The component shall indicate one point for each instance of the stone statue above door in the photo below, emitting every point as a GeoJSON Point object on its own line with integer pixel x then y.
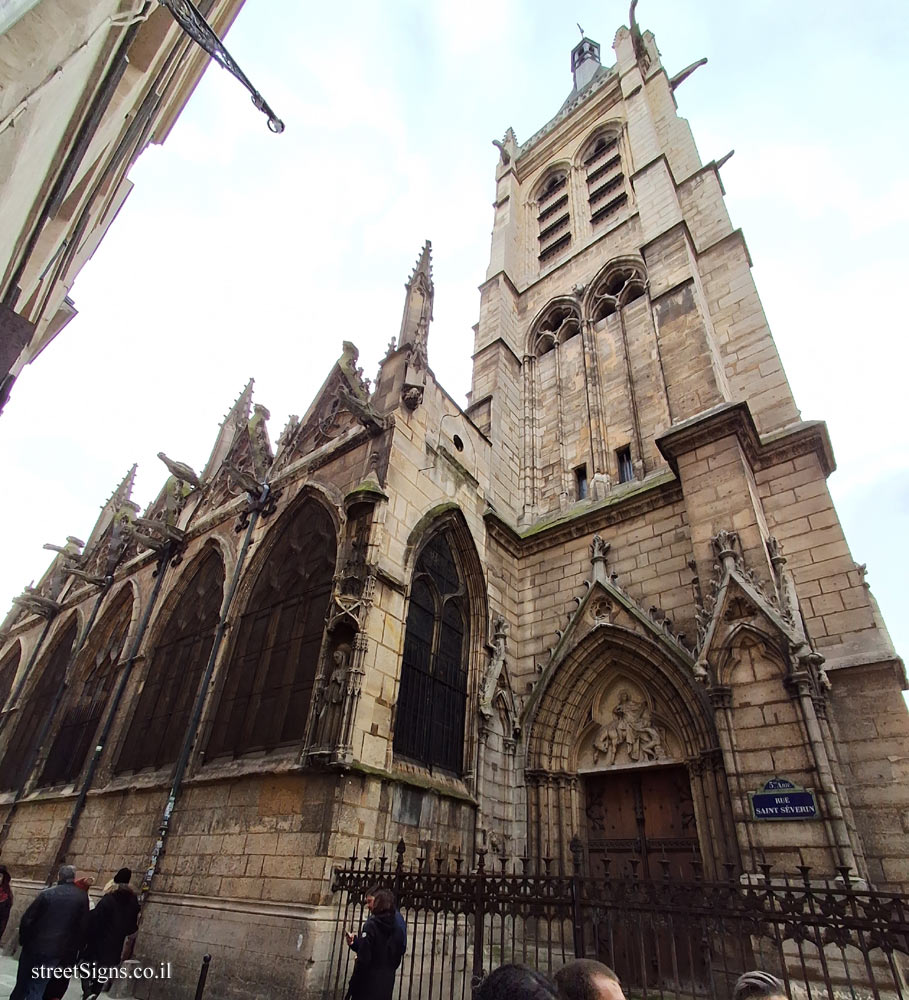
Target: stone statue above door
{"type": "Point", "coordinates": [626, 728]}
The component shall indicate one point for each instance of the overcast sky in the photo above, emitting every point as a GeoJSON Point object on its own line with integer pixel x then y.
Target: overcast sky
{"type": "Point", "coordinates": [241, 253]}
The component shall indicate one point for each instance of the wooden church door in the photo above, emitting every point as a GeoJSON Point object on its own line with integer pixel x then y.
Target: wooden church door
{"type": "Point", "coordinates": [643, 813]}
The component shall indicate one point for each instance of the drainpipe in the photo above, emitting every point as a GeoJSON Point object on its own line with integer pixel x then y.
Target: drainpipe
{"type": "Point", "coordinates": [70, 829]}
{"type": "Point", "coordinates": [49, 718]}
{"type": "Point", "coordinates": [191, 734]}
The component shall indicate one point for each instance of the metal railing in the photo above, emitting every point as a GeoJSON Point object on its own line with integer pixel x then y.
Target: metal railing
{"type": "Point", "coordinates": [830, 938]}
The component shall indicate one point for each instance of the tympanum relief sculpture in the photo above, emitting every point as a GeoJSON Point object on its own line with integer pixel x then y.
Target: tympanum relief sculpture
{"type": "Point", "coordinates": [626, 728]}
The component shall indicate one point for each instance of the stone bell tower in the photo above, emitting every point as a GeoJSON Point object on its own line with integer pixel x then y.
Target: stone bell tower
{"type": "Point", "coordinates": [626, 376]}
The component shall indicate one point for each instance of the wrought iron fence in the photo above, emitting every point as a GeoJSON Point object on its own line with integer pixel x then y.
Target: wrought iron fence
{"type": "Point", "coordinates": [825, 938]}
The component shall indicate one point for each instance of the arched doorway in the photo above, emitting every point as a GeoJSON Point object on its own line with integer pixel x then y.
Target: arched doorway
{"type": "Point", "coordinates": [622, 751]}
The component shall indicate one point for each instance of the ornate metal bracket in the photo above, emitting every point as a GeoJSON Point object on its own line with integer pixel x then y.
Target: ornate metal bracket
{"type": "Point", "coordinates": [187, 15]}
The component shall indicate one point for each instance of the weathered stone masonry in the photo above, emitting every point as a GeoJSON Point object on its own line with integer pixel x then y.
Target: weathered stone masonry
{"type": "Point", "coordinates": [615, 585]}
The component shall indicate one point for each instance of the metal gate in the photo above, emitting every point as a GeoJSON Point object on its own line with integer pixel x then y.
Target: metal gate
{"type": "Point", "coordinates": [827, 938]}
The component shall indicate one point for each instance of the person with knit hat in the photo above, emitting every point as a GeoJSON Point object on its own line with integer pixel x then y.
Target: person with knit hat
{"type": "Point", "coordinates": [111, 922]}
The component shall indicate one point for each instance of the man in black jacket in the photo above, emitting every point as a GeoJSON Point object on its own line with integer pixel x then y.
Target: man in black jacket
{"type": "Point", "coordinates": [51, 932]}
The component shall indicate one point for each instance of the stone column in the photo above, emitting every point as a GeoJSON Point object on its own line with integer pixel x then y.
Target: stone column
{"type": "Point", "coordinates": [800, 686]}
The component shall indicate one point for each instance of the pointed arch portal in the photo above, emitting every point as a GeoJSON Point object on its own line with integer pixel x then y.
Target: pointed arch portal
{"type": "Point", "coordinates": [622, 751]}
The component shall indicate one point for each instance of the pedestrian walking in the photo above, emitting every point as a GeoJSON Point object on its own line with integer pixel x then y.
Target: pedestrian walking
{"type": "Point", "coordinates": [51, 932]}
{"type": "Point", "coordinates": [56, 988]}
{"type": "Point", "coordinates": [111, 922]}
{"type": "Point", "coordinates": [379, 949]}
{"type": "Point", "coordinates": [6, 898]}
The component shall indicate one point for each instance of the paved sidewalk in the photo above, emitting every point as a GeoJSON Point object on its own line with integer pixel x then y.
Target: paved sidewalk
{"type": "Point", "coordinates": [8, 968]}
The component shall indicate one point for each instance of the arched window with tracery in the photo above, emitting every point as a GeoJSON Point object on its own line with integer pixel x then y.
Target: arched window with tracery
{"type": "Point", "coordinates": [558, 323]}
{"type": "Point", "coordinates": [429, 723]}
{"type": "Point", "coordinates": [94, 677]}
{"type": "Point", "coordinates": [553, 214]}
{"type": "Point", "coordinates": [620, 285]}
{"type": "Point", "coordinates": [268, 683]}
{"type": "Point", "coordinates": [175, 670]}
{"type": "Point", "coordinates": [607, 188]}
{"type": "Point", "coordinates": [8, 667]}
{"type": "Point", "coordinates": [36, 706]}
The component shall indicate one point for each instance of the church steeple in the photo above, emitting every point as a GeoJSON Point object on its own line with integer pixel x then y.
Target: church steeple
{"type": "Point", "coordinates": [418, 307]}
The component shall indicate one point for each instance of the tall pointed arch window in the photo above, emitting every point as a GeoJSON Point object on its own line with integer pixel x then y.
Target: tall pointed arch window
{"type": "Point", "coordinates": [94, 678]}
{"type": "Point", "coordinates": [269, 679]}
{"type": "Point", "coordinates": [8, 667]}
{"type": "Point", "coordinates": [175, 670]}
{"type": "Point", "coordinates": [553, 215]}
{"type": "Point", "coordinates": [607, 189]}
{"type": "Point", "coordinates": [37, 705]}
{"type": "Point", "coordinates": [429, 724]}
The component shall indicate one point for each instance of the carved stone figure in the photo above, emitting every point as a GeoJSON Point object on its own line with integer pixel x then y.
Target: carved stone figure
{"type": "Point", "coordinates": [181, 470]}
{"type": "Point", "coordinates": [632, 729]}
{"type": "Point", "coordinates": [331, 698]}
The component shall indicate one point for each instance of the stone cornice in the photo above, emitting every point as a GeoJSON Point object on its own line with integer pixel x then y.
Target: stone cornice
{"type": "Point", "coordinates": [735, 419]}
{"type": "Point", "coordinates": [661, 490]}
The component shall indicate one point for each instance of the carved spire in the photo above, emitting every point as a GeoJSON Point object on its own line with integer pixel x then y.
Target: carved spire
{"type": "Point", "coordinates": [123, 493]}
{"type": "Point", "coordinates": [418, 309]}
{"type": "Point", "coordinates": [236, 418]}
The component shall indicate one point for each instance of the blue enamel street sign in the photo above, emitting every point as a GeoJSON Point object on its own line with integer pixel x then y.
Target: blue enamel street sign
{"type": "Point", "coordinates": [781, 799]}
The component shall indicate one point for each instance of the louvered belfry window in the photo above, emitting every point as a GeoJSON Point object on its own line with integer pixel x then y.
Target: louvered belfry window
{"type": "Point", "coordinates": [269, 679]}
{"type": "Point", "coordinates": [175, 669]}
{"type": "Point", "coordinates": [429, 724]}
{"type": "Point", "coordinates": [95, 673]}
{"type": "Point", "coordinates": [36, 705]}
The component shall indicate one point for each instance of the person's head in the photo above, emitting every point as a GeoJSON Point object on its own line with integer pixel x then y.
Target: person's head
{"type": "Point", "coordinates": [516, 982]}
{"type": "Point", "coordinates": [587, 979]}
{"type": "Point", "coordinates": [66, 874]}
{"type": "Point", "coordinates": [85, 882]}
{"type": "Point", "coordinates": [758, 985]}
{"type": "Point", "coordinates": [123, 876]}
{"type": "Point", "coordinates": [383, 901]}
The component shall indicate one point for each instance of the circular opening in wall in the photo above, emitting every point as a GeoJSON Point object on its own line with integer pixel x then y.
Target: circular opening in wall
{"type": "Point", "coordinates": [458, 443]}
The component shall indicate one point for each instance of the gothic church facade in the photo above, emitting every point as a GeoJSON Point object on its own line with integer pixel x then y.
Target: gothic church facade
{"type": "Point", "coordinates": [609, 600]}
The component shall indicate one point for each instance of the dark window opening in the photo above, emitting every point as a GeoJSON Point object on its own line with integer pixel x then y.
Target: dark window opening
{"type": "Point", "coordinates": [38, 705]}
{"type": "Point", "coordinates": [580, 478]}
{"type": "Point", "coordinates": [458, 443]}
{"type": "Point", "coordinates": [555, 183]}
{"type": "Point", "coordinates": [175, 670]}
{"type": "Point", "coordinates": [429, 723]}
{"type": "Point", "coordinates": [269, 679]}
{"type": "Point", "coordinates": [8, 669]}
{"type": "Point", "coordinates": [601, 148]}
{"type": "Point", "coordinates": [626, 472]}
{"type": "Point", "coordinates": [92, 686]}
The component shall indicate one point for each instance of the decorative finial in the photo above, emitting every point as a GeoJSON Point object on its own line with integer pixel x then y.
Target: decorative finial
{"type": "Point", "coordinates": [580, 29]}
